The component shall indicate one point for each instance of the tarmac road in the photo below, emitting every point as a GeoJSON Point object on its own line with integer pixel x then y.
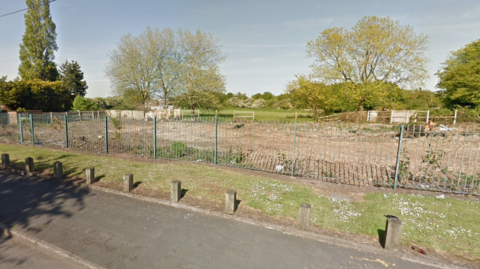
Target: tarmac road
{"type": "Point", "coordinates": [115, 231]}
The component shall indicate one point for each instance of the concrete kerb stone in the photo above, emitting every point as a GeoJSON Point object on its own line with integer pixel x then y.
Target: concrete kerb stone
{"type": "Point", "coordinates": [286, 230]}
{"type": "Point", "coordinates": [28, 238]}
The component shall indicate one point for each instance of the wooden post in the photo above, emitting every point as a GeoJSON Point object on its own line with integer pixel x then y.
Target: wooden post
{"type": "Point", "coordinates": [90, 175]}
{"type": "Point", "coordinates": [455, 117]}
{"type": "Point", "coordinates": [5, 161]}
{"type": "Point", "coordinates": [230, 198]}
{"type": "Point", "coordinates": [127, 182]}
{"type": "Point", "coordinates": [57, 170]}
{"type": "Point", "coordinates": [29, 166]}
{"type": "Point", "coordinates": [393, 233]}
{"type": "Point", "coordinates": [176, 191]}
{"type": "Point", "coordinates": [428, 116]}
{"type": "Point", "coordinates": [304, 217]}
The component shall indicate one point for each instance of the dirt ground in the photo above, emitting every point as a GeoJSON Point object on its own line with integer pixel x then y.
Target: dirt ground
{"type": "Point", "coordinates": [349, 153]}
{"type": "Point", "coordinates": [354, 193]}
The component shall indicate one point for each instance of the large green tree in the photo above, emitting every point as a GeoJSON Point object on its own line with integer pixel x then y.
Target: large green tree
{"type": "Point", "coordinates": [72, 79]}
{"type": "Point", "coordinates": [38, 43]}
{"type": "Point", "coordinates": [459, 78]}
{"type": "Point", "coordinates": [375, 49]}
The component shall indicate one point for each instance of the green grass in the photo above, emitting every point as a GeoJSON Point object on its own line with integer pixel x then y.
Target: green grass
{"type": "Point", "coordinates": [264, 114]}
{"type": "Point", "coordinates": [448, 227]}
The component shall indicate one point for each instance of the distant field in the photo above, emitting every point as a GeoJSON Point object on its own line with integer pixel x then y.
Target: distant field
{"type": "Point", "coordinates": [264, 114]}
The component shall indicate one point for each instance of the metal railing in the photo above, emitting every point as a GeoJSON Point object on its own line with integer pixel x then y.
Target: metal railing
{"type": "Point", "coordinates": [350, 153]}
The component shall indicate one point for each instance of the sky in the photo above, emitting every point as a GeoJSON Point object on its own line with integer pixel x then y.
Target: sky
{"type": "Point", "coordinates": [264, 40]}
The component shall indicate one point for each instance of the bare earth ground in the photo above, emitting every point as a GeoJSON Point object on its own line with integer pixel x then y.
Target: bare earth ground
{"type": "Point", "coordinates": [354, 193]}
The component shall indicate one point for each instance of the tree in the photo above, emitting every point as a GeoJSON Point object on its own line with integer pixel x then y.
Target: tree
{"type": "Point", "coordinates": [72, 79]}
{"type": "Point", "coordinates": [38, 43]}
{"type": "Point", "coordinates": [375, 49]}
{"type": "Point", "coordinates": [84, 104]}
{"type": "Point", "coordinates": [306, 93]}
{"type": "Point", "coordinates": [460, 77]}
{"type": "Point", "coordinates": [199, 77]}
{"type": "Point", "coordinates": [144, 66]}
{"type": "Point", "coordinates": [34, 95]}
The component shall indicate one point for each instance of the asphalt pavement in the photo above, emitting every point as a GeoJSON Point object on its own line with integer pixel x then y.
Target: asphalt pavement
{"type": "Point", "coordinates": [18, 254]}
{"type": "Point", "coordinates": [114, 231]}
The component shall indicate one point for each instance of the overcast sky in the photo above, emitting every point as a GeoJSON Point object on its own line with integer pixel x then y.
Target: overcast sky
{"type": "Point", "coordinates": [265, 40]}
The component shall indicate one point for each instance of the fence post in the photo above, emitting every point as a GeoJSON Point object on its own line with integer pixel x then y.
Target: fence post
{"type": "Point", "coordinates": [428, 116]}
{"type": "Point", "coordinates": [155, 137]}
{"type": "Point", "coordinates": [393, 233]}
{"type": "Point", "coordinates": [399, 153]}
{"type": "Point", "coordinates": [5, 161]}
{"type": "Point", "coordinates": [304, 217]}
{"type": "Point", "coordinates": [57, 169]}
{"type": "Point", "coordinates": [29, 165]}
{"type": "Point", "coordinates": [90, 175]}
{"type": "Point", "coordinates": [32, 133]}
{"type": "Point", "coordinates": [19, 115]}
{"type": "Point", "coordinates": [175, 191]}
{"type": "Point", "coordinates": [66, 129]}
{"type": "Point", "coordinates": [127, 182]}
{"type": "Point", "coordinates": [294, 140]}
{"type": "Point", "coordinates": [455, 117]}
{"type": "Point", "coordinates": [106, 134]}
{"type": "Point", "coordinates": [216, 130]}
{"type": "Point", "coordinates": [230, 199]}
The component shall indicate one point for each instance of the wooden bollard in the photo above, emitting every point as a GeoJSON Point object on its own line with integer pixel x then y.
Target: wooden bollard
{"type": "Point", "coordinates": [5, 161]}
{"type": "Point", "coordinates": [230, 198]}
{"type": "Point", "coordinates": [127, 182]}
{"type": "Point", "coordinates": [29, 167]}
{"type": "Point", "coordinates": [393, 233]}
{"type": "Point", "coordinates": [57, 169]}
{"type": "Point", "coordinates": [304, 217]}
{"type": "Point", "coordinates": [176, 191]}
{"type": "Point", "coordinates": [90, 175]}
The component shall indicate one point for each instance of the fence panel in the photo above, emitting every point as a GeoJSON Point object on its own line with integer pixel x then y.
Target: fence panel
{"type": "Point", "coordinates": [49, 130]}
{"type": "Point", "coordinates": [9, 130]}
{"type": "Point", "coordinates": [348, 153]}
{"type": "Point", "coordinates": [446, 161]}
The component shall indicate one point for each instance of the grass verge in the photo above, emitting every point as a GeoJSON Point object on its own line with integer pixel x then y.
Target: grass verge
{"type": "Point", "coordinates": [447, 227]}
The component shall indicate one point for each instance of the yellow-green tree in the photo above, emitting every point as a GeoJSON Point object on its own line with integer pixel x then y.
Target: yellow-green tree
{"type": "Point", "coordinates": [199, 76]}
{"type": "Point", "coordinates": [375, 50]}
{"type": "Point", "coordinates": [318, 97]}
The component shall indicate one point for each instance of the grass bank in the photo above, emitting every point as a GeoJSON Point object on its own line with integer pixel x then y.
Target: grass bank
{"type": "Point", "coordinates": [448, 227]}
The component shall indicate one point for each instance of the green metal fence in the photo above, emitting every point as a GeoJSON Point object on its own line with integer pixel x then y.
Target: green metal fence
{"type": "Point", "coordinates": [349, 153]}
